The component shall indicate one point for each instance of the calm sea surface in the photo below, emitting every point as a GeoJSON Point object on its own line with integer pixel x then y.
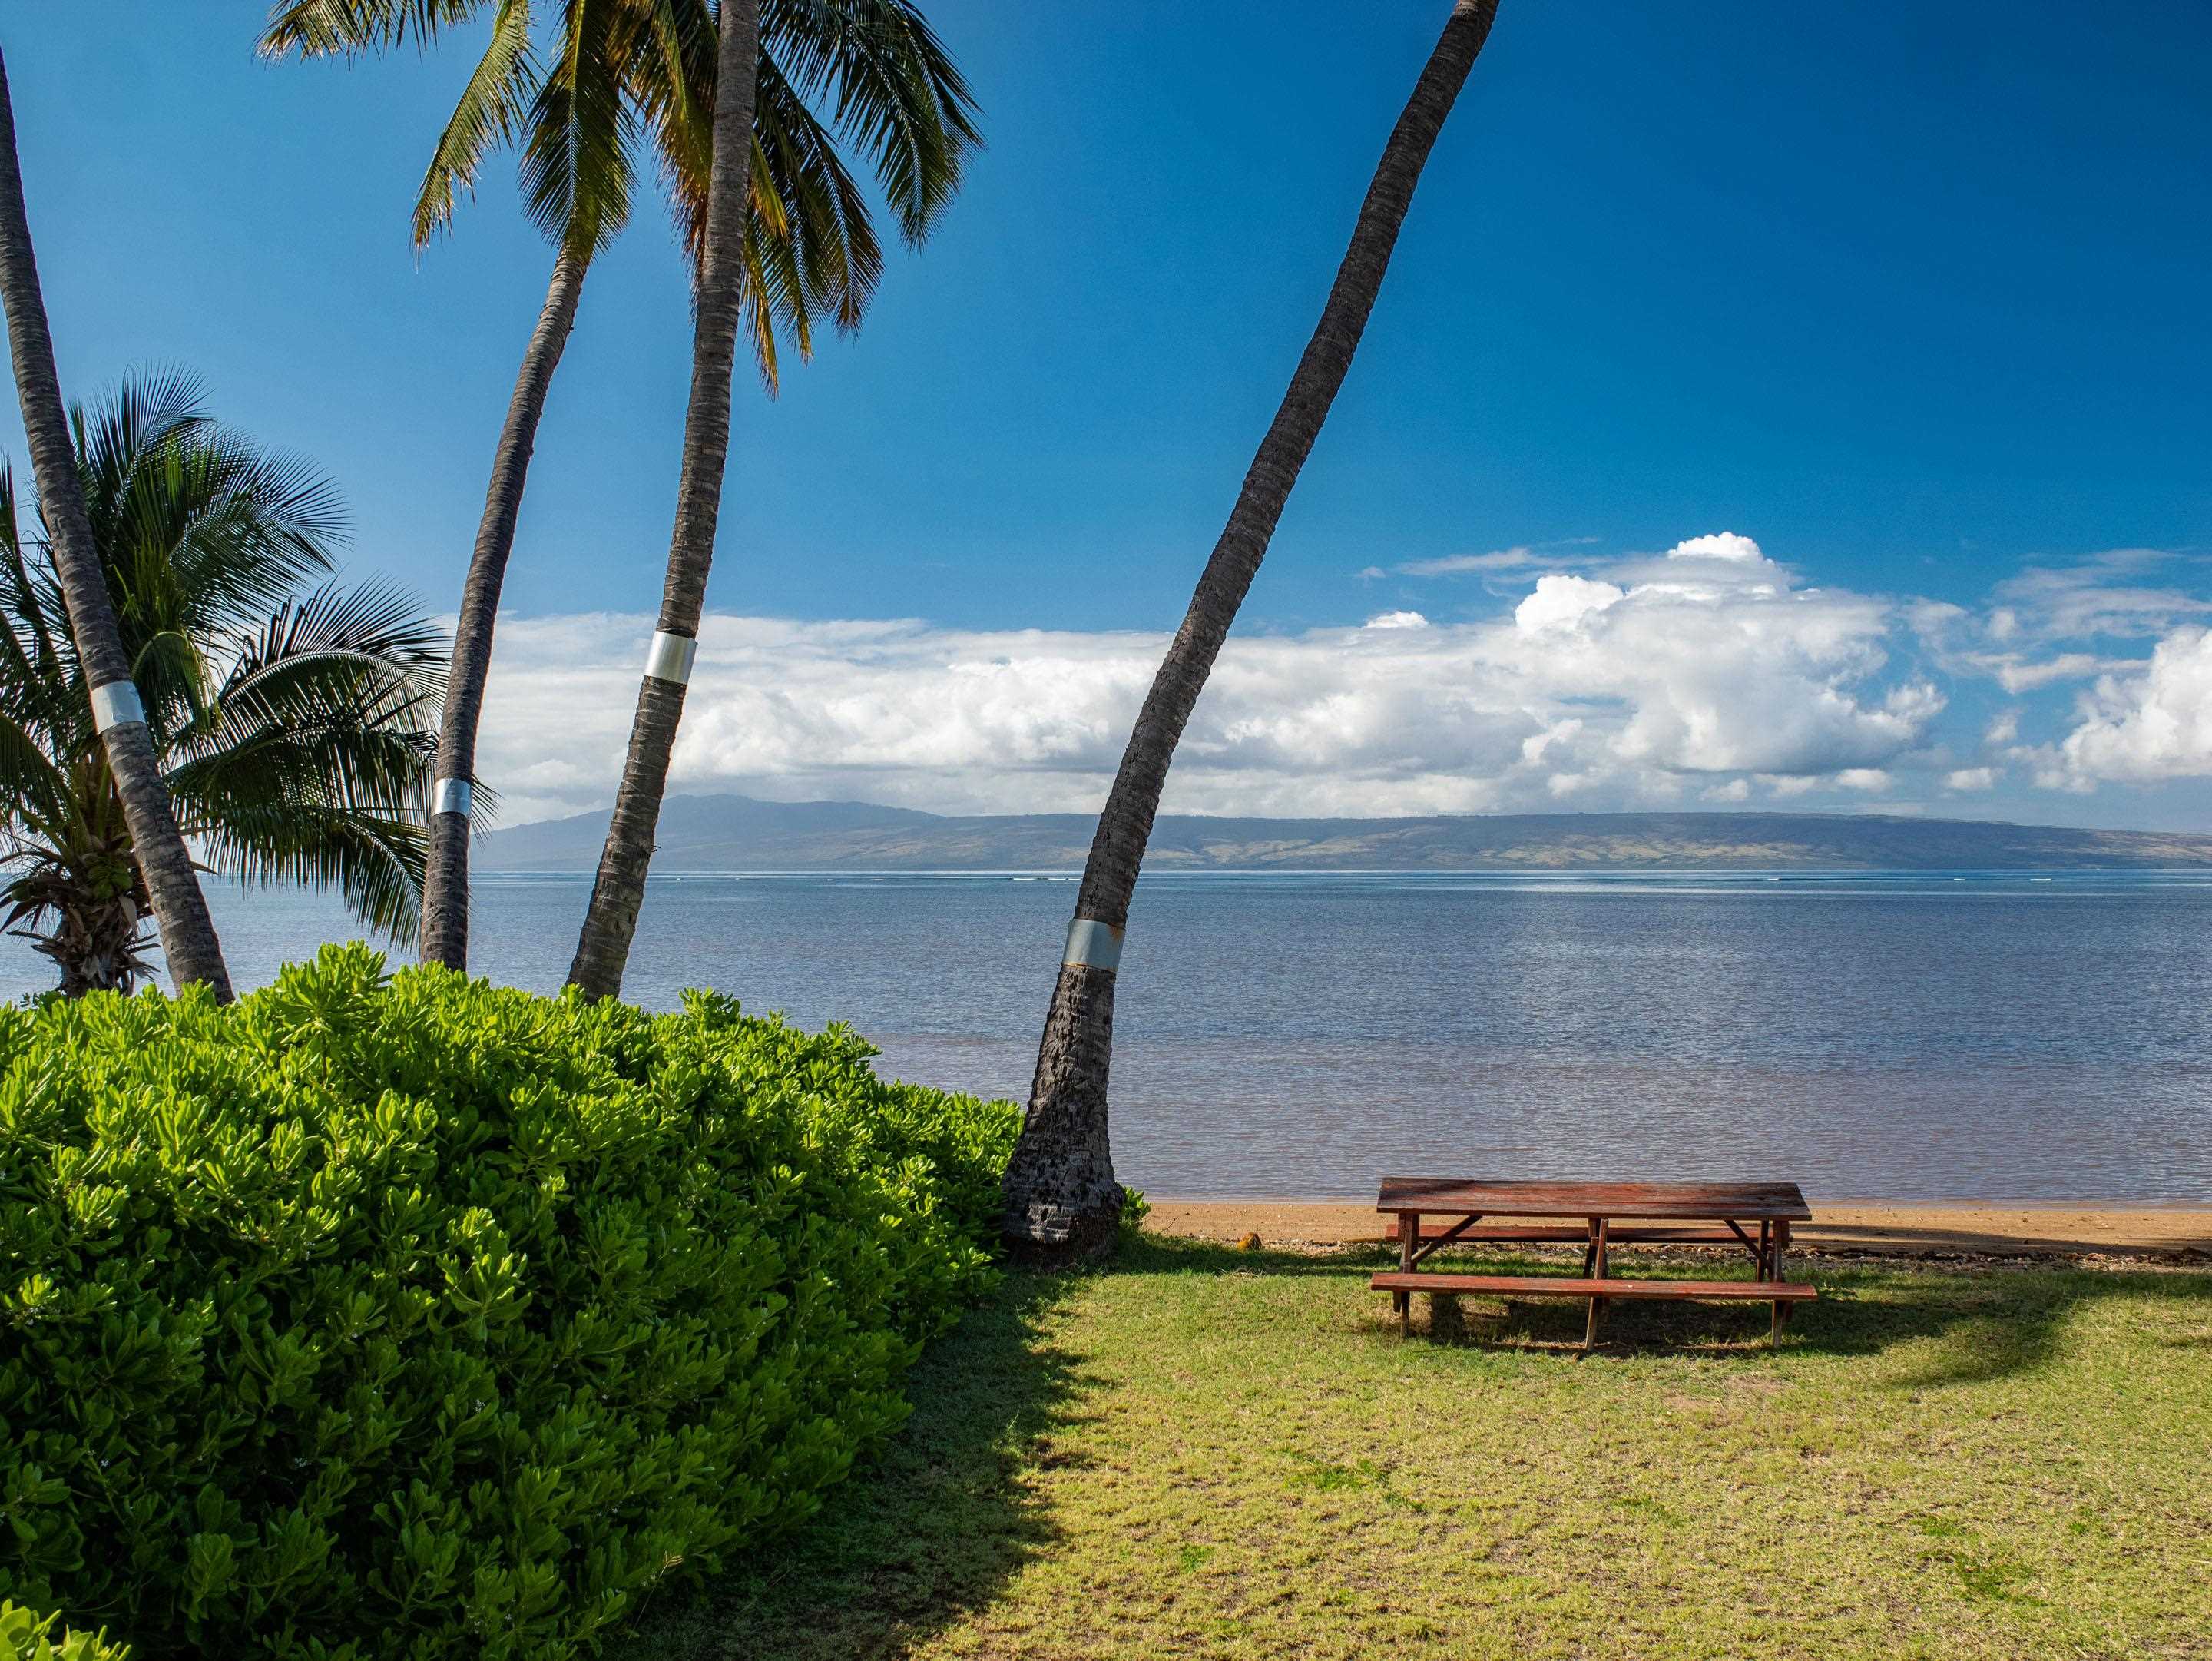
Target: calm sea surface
{"type": "Point", "coordinates": [1964, 1036]}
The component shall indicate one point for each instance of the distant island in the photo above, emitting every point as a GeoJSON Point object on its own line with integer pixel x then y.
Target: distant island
{"type": "Point", "coordinates": [739, 833]}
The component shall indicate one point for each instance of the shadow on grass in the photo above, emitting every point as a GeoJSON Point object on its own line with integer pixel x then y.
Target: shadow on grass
{"type": "Point", "coordinates": [931, 1528]}
{"type": "Point", "coordinates": [1995, 1321]}
{"type": "Point", "coordinates": [937, 1526]}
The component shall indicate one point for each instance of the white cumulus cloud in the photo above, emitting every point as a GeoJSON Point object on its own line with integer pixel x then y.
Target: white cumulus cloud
{"type": "Point", "coordinates": [2152, 724]}
{"type": "Point", "coordinates": [1561, 602]}
{"type": "Point", "coordinates": [1725, 544]}
{"type": "Point", "coordinates": [1611, 694]}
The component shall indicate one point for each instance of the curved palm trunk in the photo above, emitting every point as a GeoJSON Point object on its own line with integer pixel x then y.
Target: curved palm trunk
{"type": "Point", "coordinates": [180, 910]}
{"type": "Point", "coordinates": [1061, 1198]}
{"type": "Point", "coordinates": [445, 884]}
{"type": "Point", "coordinates": [603, 950]}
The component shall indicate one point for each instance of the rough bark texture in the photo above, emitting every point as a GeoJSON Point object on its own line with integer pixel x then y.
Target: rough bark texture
{"type": "Point", "coordinates": [1068, 1204]}
{"type": "Point", "coordinates": [603, 950]}
{"type": "Point", "coordinates": [445, 886]}
{"type": "Point", "coordinates": [1061, 1198]}
{"type": "Point", "coordinates": [96, 944]}
{"type": "Point", "coordinates": [188, 938]}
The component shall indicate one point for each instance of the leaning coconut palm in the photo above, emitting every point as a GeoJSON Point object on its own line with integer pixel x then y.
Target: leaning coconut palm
{"type": "Point", "coordinates": [621, 77]}
{"type": "Point", "coordinates": [87, 619]}
{"type": "Point", "coordinates": [857, 58]}
{"type": "Point", "coordinates": [1062, 1200]}
{"type": "Point", "coordinates": [289, 718]}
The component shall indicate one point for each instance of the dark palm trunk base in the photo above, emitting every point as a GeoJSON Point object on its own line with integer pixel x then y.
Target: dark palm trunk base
{"type": "Point", "coordinates": [188, 938]}
{"type": "Point", "coordinates": [1062, 1202]}
{"type": "Point", "coordinates": [445, 884]}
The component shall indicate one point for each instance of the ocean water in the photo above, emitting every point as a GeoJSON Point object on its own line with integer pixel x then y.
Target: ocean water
{"type": "Point", "coordinates": [1932, 1036]}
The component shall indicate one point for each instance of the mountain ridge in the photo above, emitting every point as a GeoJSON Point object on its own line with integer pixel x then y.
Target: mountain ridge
{"type": "Point", "coordinates": [740, 833]}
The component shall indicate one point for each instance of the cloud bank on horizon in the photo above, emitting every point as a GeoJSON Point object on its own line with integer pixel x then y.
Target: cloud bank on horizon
{"type": "Point", "coordinates": [1710, 675]}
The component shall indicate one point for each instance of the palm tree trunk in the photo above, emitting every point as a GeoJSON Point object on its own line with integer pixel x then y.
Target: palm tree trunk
{"type": "Point", "coordinates": [446, 883]}
{"type": "Point", "coordinates": [180, 910]}
{"type": "Point", "coordinates": [1061, 1198]}
{"type": "Point", "coordinates": [603, 950]}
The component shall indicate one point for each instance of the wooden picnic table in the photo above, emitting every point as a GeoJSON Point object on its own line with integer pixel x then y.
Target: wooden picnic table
{"type": "Point", "coordinates": [1651, 1213]}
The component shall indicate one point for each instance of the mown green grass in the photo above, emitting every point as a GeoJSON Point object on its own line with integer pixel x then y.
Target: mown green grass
{"type": "Point", "coordinates": [1205, 1452]}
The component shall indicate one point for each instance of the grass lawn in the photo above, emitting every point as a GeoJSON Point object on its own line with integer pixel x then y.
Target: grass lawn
{"type": "Point", "coordinates": [1206, 1453]}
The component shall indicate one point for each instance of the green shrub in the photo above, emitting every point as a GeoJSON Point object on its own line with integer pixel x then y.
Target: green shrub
{"type": "Point", "coordinates": [25, 1635]}
{"type": "Point", "coordinates": [408, 1316]}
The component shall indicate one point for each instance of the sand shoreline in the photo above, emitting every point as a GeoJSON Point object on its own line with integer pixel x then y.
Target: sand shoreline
{"type": "Point", "coordinates": [1858, 1225]}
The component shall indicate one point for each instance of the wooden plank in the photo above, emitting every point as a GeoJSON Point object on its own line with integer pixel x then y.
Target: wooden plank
{"type": "Point", "coordinates": [1512, 1233]}
{"type": "Point", "coordinates": [1432, 1243]}
{"type": "Point", "coordinates": [1551, 1285]}
{"type": "Point", "coordinates": [1459, 1195]}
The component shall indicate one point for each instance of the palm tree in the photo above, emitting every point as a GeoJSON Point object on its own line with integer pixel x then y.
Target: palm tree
{"type": "Point", "coordinates": [1061, 1197]}
{"type": "Point", "coordinates": [289, 718]}
{"type": "Point", "coordinates": [861, 54]}
{"type": "Point", "coordinates": [625, 74]}
{"type": "Point", "coordinates": [173, 891]}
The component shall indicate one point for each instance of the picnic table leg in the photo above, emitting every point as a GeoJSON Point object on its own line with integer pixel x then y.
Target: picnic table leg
{"type": "Point", "coordinates": [1409, 1235]}
{"type": "Point", "coordinates": [1765, 1249]}
{"type": "Point", "coordinates": [1600, 1228]}
{"type": "Point", "coordinates": [1781, 1310]}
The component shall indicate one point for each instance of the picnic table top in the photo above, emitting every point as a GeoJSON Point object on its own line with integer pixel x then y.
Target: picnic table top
{"type": "Point", "coordinates": [1481, 1196]}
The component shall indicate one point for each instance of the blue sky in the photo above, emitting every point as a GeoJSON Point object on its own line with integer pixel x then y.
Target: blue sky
{"type": "Point", "coordinates": [1912, 298]}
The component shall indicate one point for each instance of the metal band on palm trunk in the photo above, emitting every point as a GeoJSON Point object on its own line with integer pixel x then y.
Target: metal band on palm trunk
{"type": "Point", "coordinates": [1093, 944]}
{"type": "Point", "coordinates": [670, 657]}
{"type": "Point", "coordinates": [116, 704]}
{"type": "Point", "coordinates": [453, 797]}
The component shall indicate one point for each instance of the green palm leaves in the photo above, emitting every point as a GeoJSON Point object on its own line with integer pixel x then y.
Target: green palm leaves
{"type": "Point", "coordinates": [584, 90]}
{"type": "Point", "coordinates": [291, 716]}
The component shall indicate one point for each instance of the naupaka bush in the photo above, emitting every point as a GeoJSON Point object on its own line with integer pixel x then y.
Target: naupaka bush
{"type": "Point", "coordinates": [408, 1316]}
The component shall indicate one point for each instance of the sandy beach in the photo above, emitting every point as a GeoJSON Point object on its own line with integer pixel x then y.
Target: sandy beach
{"type": "Point", "coordinates": [1850, 1226]}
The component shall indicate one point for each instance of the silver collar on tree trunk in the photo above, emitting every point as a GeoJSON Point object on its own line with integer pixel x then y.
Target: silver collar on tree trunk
{"type": "Point", "coordinates": [116, 704]}
{"type": "Point", "coordinates": [1093, 944]}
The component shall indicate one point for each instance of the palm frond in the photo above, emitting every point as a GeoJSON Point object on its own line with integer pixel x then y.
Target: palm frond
{"type": "Point", "coordinates": [489, 113]}
{"type": "Point", "coordinates": [199, 526]}
{"type": "Point", "coordinates": [318, 28]}
{"type": "Point", "coordinates": [333, 765]}
{"type": "Point", "coordinates": [374, 623]}
{"type": "Point", "coordinates": [376, 863]}
{"type": "Point", "coordinates": [175, 681]}
{"type": "Point", "coordinates": [33, 791]}
{"type": "Point", "coordinates": [31, 600]}
{"type": "Point", "coordinates": [115, 437]}
{"type": "Point", "coordinates": [832, 234]}
{"type": "Point", "coordinates": [575, 169]}
{"type": "Point", "coordinates": [240, 527]}
{"type": "Point", "coordinates": [896, 93]}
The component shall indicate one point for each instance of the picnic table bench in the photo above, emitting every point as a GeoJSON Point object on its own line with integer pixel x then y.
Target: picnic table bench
{"type": "Point", "coordinates": [1654, 1212]}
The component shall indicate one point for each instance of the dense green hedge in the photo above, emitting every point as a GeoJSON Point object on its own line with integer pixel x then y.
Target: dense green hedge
{"type": "Point", "coordinates": [408, 1316]}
